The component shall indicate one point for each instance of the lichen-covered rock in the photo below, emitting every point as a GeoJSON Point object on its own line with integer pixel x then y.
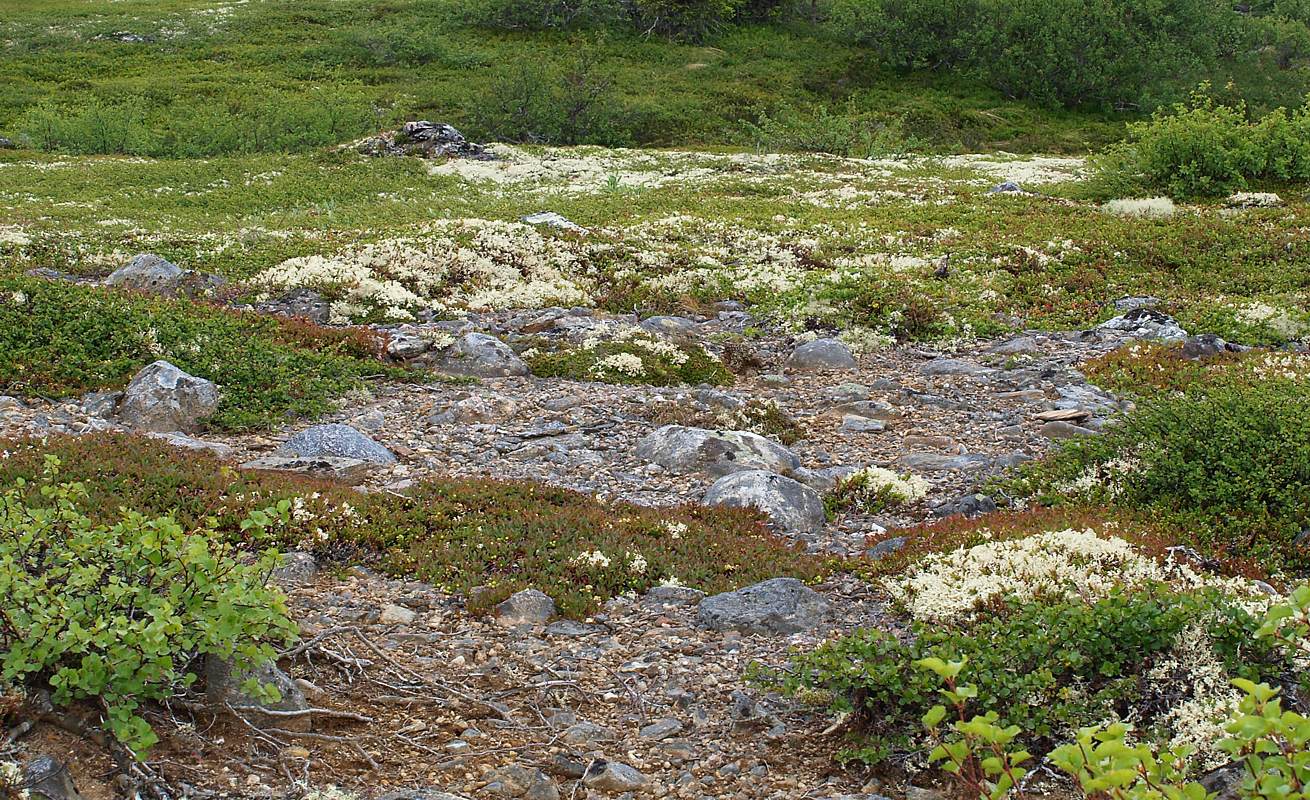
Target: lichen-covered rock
{"type": "Point", "coordinates": [483, 356]}
{"type": "Point", "coordinates": [792, 506]}
{"type": "Point", "coordinates": [681, 449]}
{"type": "Point", "coordinates": [164, 399]}
{"type": "Point", "coordinates": [148, 272]}
{"type": "Point", "coordinates": [775, 606]}
{"type": "Point", "coordinates": [528, 607]}
{"type": "Point", "coordinates": [223, 689]}
{"type": "Point", "coordinates": [335, 441]}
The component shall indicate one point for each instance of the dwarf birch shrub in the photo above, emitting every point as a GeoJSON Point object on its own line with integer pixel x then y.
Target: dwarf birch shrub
{"type": "Point", "coordinates": [121, 614]}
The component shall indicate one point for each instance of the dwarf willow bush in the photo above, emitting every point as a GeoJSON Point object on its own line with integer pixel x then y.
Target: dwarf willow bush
{"type": "Point", "coordinates": [121, 613]}
{"type": "Point", "coordinates": [1228, 464]}
{"type": "Point", "coordinates": [1204, 147]}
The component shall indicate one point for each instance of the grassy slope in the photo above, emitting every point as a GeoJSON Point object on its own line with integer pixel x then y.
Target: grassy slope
{"type": "Point", "coordinates": [337, 69]}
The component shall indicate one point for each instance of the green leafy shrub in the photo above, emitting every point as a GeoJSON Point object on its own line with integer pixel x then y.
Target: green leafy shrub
{"type": "Point", "coordinates": [485, 539]}
{"type": "Point", "coordinates": [1228, 463]}
{"type": "Point", "coordinates": [635, 358]}
{"type": "Point", "coordinates": [121, 613]}
{"type": "Point", "coordinates": [875, 489]}
{"type": "Point", "coordinates": [1208, 148]}
{"type": "Point", "coordinates": [61, 339]}
{"type": "Point", "coordinates": [847, 132]}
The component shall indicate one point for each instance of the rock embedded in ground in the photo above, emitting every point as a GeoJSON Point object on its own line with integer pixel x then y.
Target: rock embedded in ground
{"type": "Point", "coordinates": [526, 607]}
{"type": "Point", "coordinates": [482, 356]}
{"type": "Point", "coordinates": [681, 450]}
{"type": "Point", "coordinates": [46, 778]}
{"type": "Point", "coordinates": [335, 440]}
{"type": "Point", "coordinates": [775, 606]}
{"type": "Point", "coordinates": [345, 470]}
{"type": "Point", "coordinates": [1145, 323]}
{"type": "Point", "coordinates": [182, 442]}
{"type": "Point", "coordinates": [821, 354]}
{"type": "Point", "coordinates": [148, 272]}
{"type": "Point", "coordinates": [614, 777]}
{"type": "Point", "coordinates": [792, 506]}
{"type": "Point", "coordinates": [223, 689]}
{"type": "Point", "coordinates": [554, 220]}
{"type": "Point", "coordinates": [164, 399]}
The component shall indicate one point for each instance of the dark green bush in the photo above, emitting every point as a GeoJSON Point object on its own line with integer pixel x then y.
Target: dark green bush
{"type": "Point", "coordinates": [1048, 668]}
{"type": "Point", "coordinates": [1209, 148]}
{"type": "Point", "coordinates": [1228, 463]}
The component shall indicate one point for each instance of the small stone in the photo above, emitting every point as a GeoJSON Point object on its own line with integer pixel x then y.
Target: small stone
{"type": "Point", "coordinates": [396, 615]}
{"type": "Point", "coordinates": [614, 777]}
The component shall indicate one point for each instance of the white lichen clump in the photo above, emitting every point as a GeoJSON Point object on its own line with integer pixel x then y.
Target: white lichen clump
{"type": "Point", "coordinates": [1147, 208]}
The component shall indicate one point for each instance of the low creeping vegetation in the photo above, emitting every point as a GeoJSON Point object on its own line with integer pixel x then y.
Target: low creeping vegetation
{"type": "Point", "coordinates": [1226, 463]}
{"type": "Point", "coordinates": [875, 489]}
{"type": "Point", "coordinates": [485, 539]}
{"type": "Point", "coordinates": [122, 612]}
{"type": "Point", "coordinates": [59, 339]}
{"type": "Point", "coordinates": [1061, 631]}
{"type": "Point", "coordinates": [1267, 743]}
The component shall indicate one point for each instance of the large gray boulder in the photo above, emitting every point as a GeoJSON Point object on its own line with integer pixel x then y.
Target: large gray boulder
{"type": "Point", "coordinates": [1145, 323]}
{"type": "Point", "coordinates": [148, 272]}
{"type": "Point", "coordinates": [526, 607]}
{"type": "Point", "coordinates": [793, 507]}
{"type": "Point", "coordinates": [164, 399]}
{"type": "Point", "coordinates": [335, 441]}
{"type": "Point", "coordinates": [821, 354]}
{"type": "Point", "coordinates": [483, 356]}
{"type": "Point", "coordinates": [775, 606]}
{"type": "Point", "coordinates": [680, 449]}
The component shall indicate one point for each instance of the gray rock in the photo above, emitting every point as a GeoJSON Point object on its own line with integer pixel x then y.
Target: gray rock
{"type": "Point", "coordinates": [46, 778]}
{"type": "Point", "coordinates": [614, 777]}
{"type": "Point", "coordinates": [392, 614]}
{"type": "Point", "coordinates": [7, 144]}
{"type": "Point", "coordinates": [223, 688]}
{"type": "Point", "coordinates": [297, 569]}
{"type": "Point", "coordinates": [869, 409]}
{"type": "Point", "coordinates": [955, 366]}
{"type": "Point", "coordinates": [303, 303]}
{"type": "Point", "coordinates": [420, 794]}
{"type": "Point", "coordinates": [553, 220]}
{"type": "Point", "coordinates": [661, 729]}
{"type": "Point", "coordinates": [669, 596]}
{"type": "Point", "coordinates": [101, 405]}
{"type": "Point", "coordinates": [521, 781]}
{"type": "Point", "coordinates": [1125, 304]}
{"type": "Point", "coordinates": [424, 139]}
{"type": "Point", "coordinates": [1206, 345]}
{"type": "Point", "coordinates": [1008, 187]}
{"type": "Point", "coordinates": [1022, 345]}
{"type": "Point", "coordinates": [586, 736]}
{"type": "Point", "coordinates": [346, 470]}
{"type": "Point", "coordinates": [1145, 323]}
{"type": "Point", "coordinates": [775, 606]}
{"type": "Point", "coordinates": [886, 547]}
{"type": "Point", "coordinates": [821, 354]}
{"type": "Point", "coordinates": [675, 327]}
{"type": "Point", "coordinates": [164, 399]}
{"type": "Point", "coordinates": [483, 356]}
{"type": "Point", "coordinates": [148, 272]}
{"type": "Point", "coordinates": [195, 445]}
{"type": "Point", "coordinates": [856, 424]}
{"type": "Point", "coordinates": [1060, 429]}
{"type": "Point", "coordinates": [790, 505]}
{"type": "Point", "coordinates": [934, 462]}
{"type": "Point", "coordinates": [527, 607]}
{"type": "Point", "coordinates": [681, 450]}
{"type": "Point", "coordinates": [335, 441]}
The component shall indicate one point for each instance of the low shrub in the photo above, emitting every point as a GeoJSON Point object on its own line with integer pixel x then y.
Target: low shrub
{"type": "Point", "coordinates": [1057, 645]}
{"type": "Point", "coordinates": [60, 339]}
{"type": "Point", "coordinates": [629, 357]}
{"type": "Point", "coordinates": [485, 539]}
{"type": "Point", "coordinates": [1204, 147]}
{"type": "Point", "coordinates": [1226, 463]}
{"type": "Point", "coordinates": [875, 489]}
{"type": "Point", "coordinates": [122, 613]}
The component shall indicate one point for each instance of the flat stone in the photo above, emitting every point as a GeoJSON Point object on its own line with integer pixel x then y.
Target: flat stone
{"type": "Point", "coordinates": [335, 441]}
{"type": "Point", "coordinates": [614, 777]}
{"type": "Point", "coordinates": [346, 470]}
{"type": "Point", "coordinates": [775, 606]}
{"type": "Point", "coordinates": [821, 354]}
{"type": "Point", "coordinates": [527, 607]}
